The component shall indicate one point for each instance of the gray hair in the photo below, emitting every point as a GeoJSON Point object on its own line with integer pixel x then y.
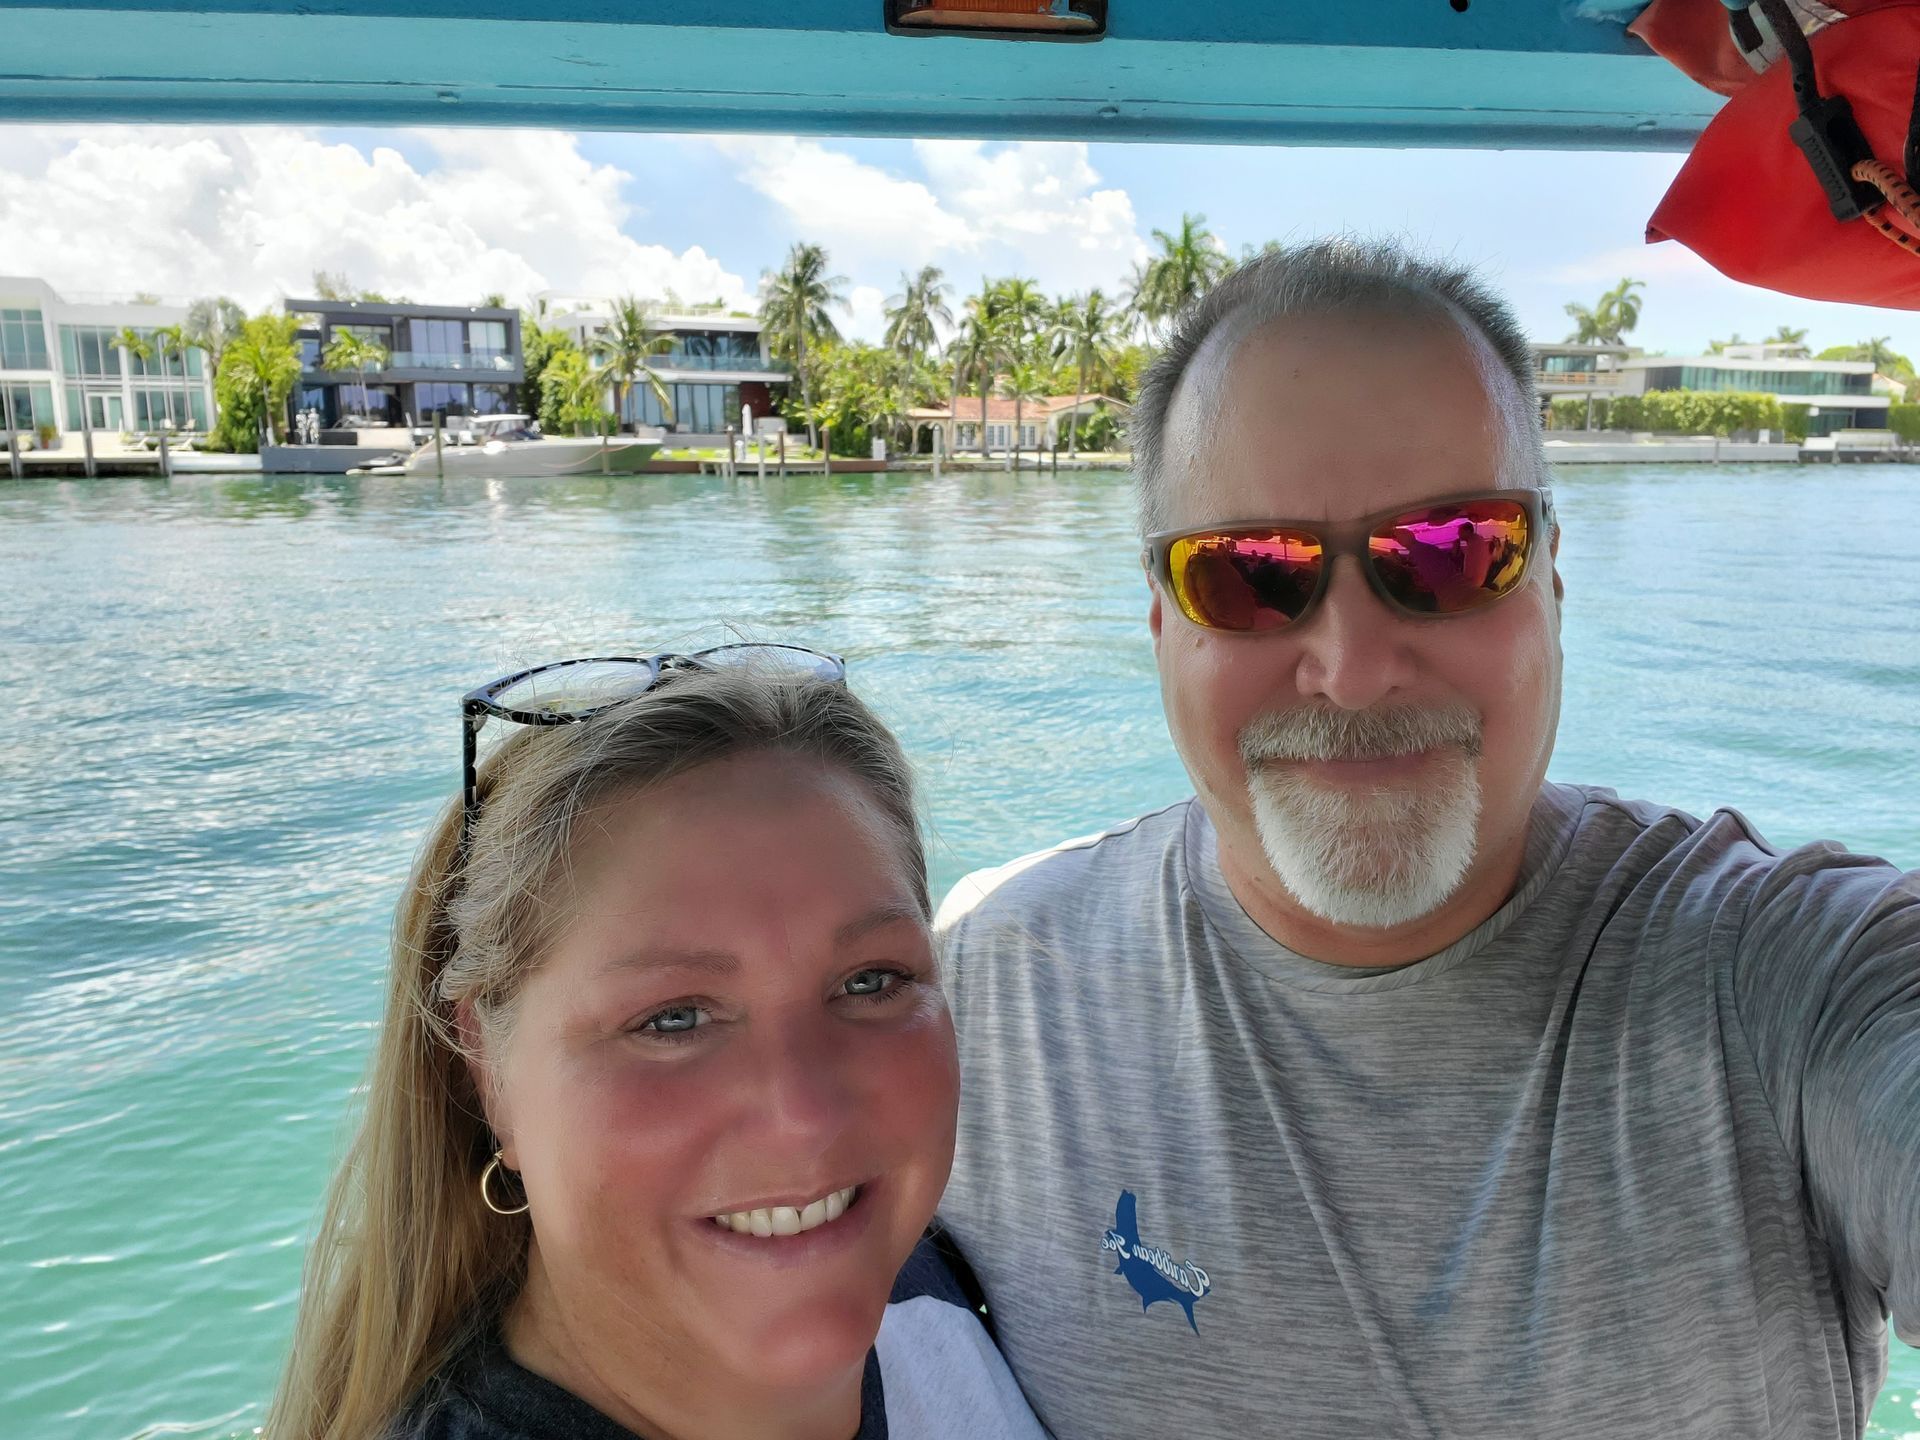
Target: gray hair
{"type": "Point", "coordinates": [1339, 276]}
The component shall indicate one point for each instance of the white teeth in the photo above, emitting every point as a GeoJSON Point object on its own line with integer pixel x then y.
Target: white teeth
{"type": "Point", "coordinates": [786, 1219]}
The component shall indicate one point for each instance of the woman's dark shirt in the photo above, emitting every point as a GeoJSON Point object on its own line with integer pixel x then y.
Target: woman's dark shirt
{"type": "Point", "coordinates": [933, 1373]}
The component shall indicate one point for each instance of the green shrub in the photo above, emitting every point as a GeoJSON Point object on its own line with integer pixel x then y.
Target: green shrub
{"type": "Point", "coordinates": [1796, 422]}
{"type": "Point", "coordinates": [1698, 412]}
{"type": "Point", "coordinates": [1904, 421]}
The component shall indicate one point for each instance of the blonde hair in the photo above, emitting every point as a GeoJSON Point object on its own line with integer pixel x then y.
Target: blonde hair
{"type": "Point", "coordinates": [409, 1264]}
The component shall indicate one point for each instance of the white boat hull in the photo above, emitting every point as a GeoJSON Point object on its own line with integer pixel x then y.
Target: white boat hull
{"type": "Point", "coordinates": [549, 455]}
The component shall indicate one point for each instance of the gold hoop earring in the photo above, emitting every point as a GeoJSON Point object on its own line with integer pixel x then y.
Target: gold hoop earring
{"type": "Point", "coordinates": [487, 1175]}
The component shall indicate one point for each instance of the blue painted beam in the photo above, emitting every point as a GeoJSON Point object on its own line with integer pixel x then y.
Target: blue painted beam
{"type": "Point", "coordinates": [1505, 73]}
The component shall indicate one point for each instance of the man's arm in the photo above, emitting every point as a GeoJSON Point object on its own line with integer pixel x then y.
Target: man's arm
{"type": "Point", "coordinates": [1827, 987]}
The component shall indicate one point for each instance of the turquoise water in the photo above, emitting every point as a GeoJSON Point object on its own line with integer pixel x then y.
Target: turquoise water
{"type": "Point", "coordinates": [232, 713]}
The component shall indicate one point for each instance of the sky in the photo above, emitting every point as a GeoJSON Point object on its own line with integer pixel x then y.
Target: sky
{"type": "Point", "coordinates": [448, 215]}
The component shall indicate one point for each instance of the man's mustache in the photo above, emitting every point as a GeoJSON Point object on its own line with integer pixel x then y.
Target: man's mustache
{"type": "Point", "coordinates": [1323, 732]}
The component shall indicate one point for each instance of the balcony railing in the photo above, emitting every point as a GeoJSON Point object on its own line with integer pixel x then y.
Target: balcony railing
{"type": "Point", "coordinates": [1579, 377]}
{"type": "Point", "coordinates": [436, 360]}
{"type": "Point", "coordinates": [679, 360]}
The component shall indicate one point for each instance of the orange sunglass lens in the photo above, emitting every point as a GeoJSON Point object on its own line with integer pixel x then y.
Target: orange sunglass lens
{"type": "Point", "coordinates": [1450, 558]}
{"type": "Point", "coordinates": [1245, 579]}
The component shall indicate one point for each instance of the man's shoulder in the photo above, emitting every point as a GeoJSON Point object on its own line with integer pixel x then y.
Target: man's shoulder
{"type": "Point", "coordinates": [1678, 860]}
{"type": "Point", "coordinates": [1072, 872]}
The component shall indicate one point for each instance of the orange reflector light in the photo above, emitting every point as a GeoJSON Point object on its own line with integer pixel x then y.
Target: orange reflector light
{"type": "Point", "coordinates": [1001, 19]}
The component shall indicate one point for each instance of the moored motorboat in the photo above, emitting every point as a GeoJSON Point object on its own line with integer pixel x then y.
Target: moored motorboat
{"type": "Point", "coordinates": [513, 445]}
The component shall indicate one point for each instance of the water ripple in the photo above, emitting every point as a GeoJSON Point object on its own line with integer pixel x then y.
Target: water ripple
{"type": "Point", "coordinates": [231, 720]}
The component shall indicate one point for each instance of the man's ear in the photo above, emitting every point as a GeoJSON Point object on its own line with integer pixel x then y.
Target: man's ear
{"type": "Point", "coordinates": [1553, 553]}
{"type": "Point", "coordinates": [473, 1054]}
{"type": "Point", "coordinates": [1156, 618]}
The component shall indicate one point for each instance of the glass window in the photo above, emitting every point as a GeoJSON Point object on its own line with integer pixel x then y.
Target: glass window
{"type": "Point", "coordinates": [644, 407]}
{"type": "Point", "coordinates": [88, 350]}
{"type": "Point", "coordinates": [437, 398]}
{"type": "Point", "coordinates": [309, 352]}
{"type": "Point", "coordinates": [488, 337]}
{"type": "Point", "coordinates": [316, 397]}
{"type": "Point", "coordinates": [381, 335]}
{"type": "Point", "coordinates": [436, 342]}
{"type": "Point", "coordinates": [23, 341]}
{"type": "Point", "coordinates": [493, 400]}
{"type": "Point", "coordinates": [379, 406]}
{"type": "Point", "coordinates": [32, 403]}
{"type": "Point", "coordinates": [156, 409]}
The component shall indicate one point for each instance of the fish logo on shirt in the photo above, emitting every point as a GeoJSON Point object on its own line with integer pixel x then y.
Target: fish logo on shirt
{"type": "Point", "coordinates": [1154, 1274]}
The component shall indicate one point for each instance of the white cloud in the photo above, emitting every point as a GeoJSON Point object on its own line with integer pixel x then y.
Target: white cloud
{"type": "Point", "coordinates": [861, 213]}
{"type": "Point", "coordinates": [1039, 210]}
{"type": "Point", "coordinates": [1030, 208]}
{"type": "Point", "coordinates": [867, 312]}
{"type": "Point", "coordinates": [253, 213]}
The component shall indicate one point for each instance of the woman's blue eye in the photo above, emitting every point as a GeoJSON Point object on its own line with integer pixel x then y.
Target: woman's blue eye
{"type": "Point", "coordinates": [873, 984]}
{"type": "Point", "coordinates": [676, 1020]}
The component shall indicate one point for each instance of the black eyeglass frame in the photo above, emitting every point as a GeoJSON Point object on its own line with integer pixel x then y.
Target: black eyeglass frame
{"type": "Point", "coordinates": [478, 705]}
{"type": "Point", "coordinates": [1350, 537]}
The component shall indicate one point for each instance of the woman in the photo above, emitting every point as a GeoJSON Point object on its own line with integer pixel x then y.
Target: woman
{"type": "Point", "coordinates": [666, 1092]}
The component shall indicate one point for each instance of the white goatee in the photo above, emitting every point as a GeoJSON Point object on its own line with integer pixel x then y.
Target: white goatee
{"type": "Point", "coordinates": [1370, 857]}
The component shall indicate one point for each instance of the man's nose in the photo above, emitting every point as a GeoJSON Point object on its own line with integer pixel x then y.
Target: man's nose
{"type": "Point", "coordinates": [1353, 651]}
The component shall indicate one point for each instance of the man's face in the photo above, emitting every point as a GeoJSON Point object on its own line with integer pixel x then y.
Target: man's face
{"type": "Point", "coordinates": [1373, 763]}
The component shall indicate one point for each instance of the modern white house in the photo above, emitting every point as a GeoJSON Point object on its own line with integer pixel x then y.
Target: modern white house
{"type": "Point", "coordinates": [719, 362]}
{"type": "Point", "coordinates": [1838, 394]}
{"type": "Point", "coordinates": [1580, 370]}
{"type": "Point", "coordinates": [60, 367]}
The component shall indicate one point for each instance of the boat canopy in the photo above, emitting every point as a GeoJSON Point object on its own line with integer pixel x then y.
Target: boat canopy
{"type": "Point", "coordinates": [1557, 74]}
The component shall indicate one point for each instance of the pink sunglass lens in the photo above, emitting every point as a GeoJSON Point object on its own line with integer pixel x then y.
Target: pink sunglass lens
{"type": "Point", "coordinates": [1453, 557]}
{"type": "Point", "coordinates": [1245, 580]}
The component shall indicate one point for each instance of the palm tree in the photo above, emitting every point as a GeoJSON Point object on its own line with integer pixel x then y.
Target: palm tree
{"type": "Point", "coordinates": [1085, 329]}
{"type": "Point", "coordinates": [915, 315]}
{"type": "Point", "coordinates": [1617, 312]}
{"type": "Point", "coordinates": [572, 391]}
{"type": "Point", "coordinates": [1879, 350]}
{"type": "Point", "coordinates": [173, 338]}
{"type": "Point", "coordinates": [625, 347]}
{"type": "Point", "coordinates": [264, 358]}
{"type": "Point", "coordinates": [793, 305]}
{"type": "Point", "coordinates": [351, 351]}
{"type": "Point", "coordinates": [968, 353]}
{"type": "Point", "coordinates": [1188, 265]}
{"type": "Point", "coordinates": [212, 325]}
{"type": "Point", "coordinates": [981, 344]}
{"type": "Point", "coordinates": [1026, 380]}
{"type": "Point", "coordinates": [133, 344]}
{"type": "Point", "coordinates": [1622, 306]}
{"type": "Point", "coordinates": [1787, 335]}
{"type": "Point", "coordinates": [1587, 325]}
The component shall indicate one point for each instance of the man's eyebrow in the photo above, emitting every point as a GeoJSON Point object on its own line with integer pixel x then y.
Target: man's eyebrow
{"type": "Point", "coordinates": [878, 919]}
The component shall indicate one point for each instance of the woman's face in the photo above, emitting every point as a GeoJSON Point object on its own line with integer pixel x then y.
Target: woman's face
{"type": "Point", "coordinates": [743, 1020]}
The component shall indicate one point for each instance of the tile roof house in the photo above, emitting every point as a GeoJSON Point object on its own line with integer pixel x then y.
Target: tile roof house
{"type": "Point", "coordinates": [1043, 422]}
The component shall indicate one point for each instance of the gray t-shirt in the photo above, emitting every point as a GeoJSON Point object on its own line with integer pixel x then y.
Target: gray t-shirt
{"type": "Point", "coordinates": [1640, 1156]}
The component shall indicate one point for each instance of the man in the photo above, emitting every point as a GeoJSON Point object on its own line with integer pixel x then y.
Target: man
{"type": "Point", "coordinates": [1433, 1099]}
